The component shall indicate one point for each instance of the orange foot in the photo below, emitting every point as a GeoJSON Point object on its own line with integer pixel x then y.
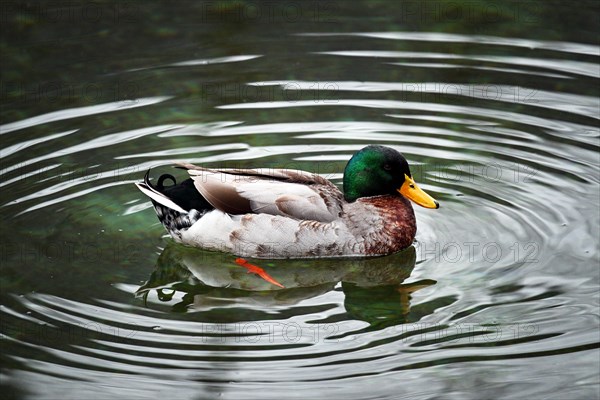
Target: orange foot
{"type": "Point", "coordinates": [258, 271]}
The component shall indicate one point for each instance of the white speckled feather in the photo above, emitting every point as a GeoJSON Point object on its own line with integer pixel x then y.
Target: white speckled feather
{"type": "Point", "coordinates": [275, 236]}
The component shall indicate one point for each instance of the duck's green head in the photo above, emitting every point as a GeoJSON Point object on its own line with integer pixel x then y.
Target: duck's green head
{"type": "Point", "coordinates": [380, 170]}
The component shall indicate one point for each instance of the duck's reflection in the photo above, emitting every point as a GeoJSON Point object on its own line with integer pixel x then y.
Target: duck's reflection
{"type": "Point", "coordinates": [190, 279]}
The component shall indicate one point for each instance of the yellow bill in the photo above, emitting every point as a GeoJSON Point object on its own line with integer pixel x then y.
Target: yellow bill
{"type": "Point", "coordinates": [411, 191]}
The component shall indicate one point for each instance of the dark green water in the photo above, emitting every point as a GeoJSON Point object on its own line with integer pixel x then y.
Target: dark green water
{"type": "Point", "coordinates": [495, 105]}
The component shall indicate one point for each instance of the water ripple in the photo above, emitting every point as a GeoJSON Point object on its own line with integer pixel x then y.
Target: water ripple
{"type": "Point", "coordinates": [80, 112]}
{"type": "Point", "coordinates": [500, 284]}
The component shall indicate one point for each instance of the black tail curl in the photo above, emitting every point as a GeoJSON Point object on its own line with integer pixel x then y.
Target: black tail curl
{"type": "Point", "coordinates": [159, 186]}
{"type": "Point", "coordinates": [184, 194]}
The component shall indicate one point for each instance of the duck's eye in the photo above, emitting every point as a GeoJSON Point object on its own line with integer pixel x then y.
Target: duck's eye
{"type": "Point", "coordinates": [387, 167]}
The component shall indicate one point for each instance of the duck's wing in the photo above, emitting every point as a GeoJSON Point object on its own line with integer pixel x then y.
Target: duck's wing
{"type": "Point", "coordinates": [293, 193]}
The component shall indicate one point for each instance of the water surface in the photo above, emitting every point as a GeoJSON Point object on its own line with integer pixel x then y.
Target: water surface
{"type": "Point", "coordinates": [495, 107]}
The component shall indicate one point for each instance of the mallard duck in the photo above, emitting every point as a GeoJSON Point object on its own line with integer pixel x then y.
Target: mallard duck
{"type": "Point", "coordinates": [282, 213]}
